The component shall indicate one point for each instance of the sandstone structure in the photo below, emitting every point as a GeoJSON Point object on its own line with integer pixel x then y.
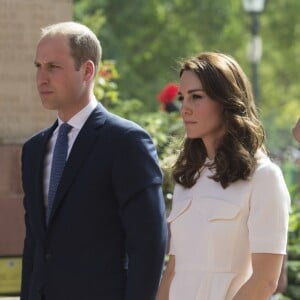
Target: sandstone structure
{"type": "Point", "coordinates": [21, 113]}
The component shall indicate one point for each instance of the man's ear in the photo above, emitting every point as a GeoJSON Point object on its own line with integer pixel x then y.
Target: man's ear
{"type": "Point", "coordinates": [88, 70]}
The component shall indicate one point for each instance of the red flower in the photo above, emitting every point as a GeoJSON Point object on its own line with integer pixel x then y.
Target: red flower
{"type": "Point", "coordinates": [168, 93]}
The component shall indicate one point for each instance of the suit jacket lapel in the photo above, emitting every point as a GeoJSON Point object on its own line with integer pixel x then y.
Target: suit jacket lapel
{"type": "Point", "coordinates": [80, 151]}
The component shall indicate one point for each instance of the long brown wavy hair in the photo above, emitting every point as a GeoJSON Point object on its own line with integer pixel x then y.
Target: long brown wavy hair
{"type": "Point", "coordinates": [224, 81]}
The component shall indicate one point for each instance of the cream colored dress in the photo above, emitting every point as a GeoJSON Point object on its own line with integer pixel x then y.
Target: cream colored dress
{"type": "Point", "coordinates": [215, 230]}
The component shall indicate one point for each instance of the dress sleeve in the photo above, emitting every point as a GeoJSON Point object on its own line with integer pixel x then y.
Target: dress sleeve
{"type": "Point", "coordinates": [269, 210]}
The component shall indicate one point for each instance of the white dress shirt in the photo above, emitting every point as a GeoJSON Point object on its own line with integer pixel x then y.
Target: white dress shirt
{"type": "Point", "coordinates": [77, 122]}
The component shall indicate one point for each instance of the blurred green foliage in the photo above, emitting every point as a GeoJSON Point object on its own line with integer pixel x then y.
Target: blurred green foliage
{"type": "Point", "coordinates": [148, 37]}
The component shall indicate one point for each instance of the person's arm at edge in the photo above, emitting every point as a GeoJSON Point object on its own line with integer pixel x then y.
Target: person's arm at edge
{"type": "Point", "coordinates": [264, 279]}
{"type": "Point", "coordinates": [164, 288]}
{"type": "Point", "coordinates": [137, 181]}
{"type": "Point", "coordinates": [27, 258]}
{"type": "Point", "coordinates": [146, 234]}
{"type": "Point", "coordinates": [296, 131]}
{"type": "Point", "coordinates": [283, 280]}
{"type": "Point", "coordinates": [27, 263]}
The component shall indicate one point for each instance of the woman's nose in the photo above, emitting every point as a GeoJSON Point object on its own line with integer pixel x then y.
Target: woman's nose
{"type": "Point", "coordinates": [185, 109]}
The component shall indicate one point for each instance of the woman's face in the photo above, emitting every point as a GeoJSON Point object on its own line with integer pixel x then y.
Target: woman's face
{"type": "Point", "coordinates": [201, 115]}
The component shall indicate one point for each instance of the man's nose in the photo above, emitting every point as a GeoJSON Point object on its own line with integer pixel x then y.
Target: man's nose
{"type": "Point", "coordinates": [41, 76]}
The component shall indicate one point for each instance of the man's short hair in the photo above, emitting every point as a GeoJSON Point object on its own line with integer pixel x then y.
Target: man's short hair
{"type": "Point", "coordinates": [84, 44]}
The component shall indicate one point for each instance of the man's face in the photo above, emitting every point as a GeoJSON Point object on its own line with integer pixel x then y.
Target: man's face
{"type": "Point", "coordinates": [60, 85]}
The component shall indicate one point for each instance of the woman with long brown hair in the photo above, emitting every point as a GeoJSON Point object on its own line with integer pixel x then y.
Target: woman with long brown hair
{"type": "Point", "coordinates": [229, 217]}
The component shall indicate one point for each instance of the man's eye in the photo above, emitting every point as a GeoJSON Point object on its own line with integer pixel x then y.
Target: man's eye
{"type": "Point", "coordinates": [180, 98]}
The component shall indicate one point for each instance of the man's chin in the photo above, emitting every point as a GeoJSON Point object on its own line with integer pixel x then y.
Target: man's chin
{"type": "Point", "coordinates": [49, 106]}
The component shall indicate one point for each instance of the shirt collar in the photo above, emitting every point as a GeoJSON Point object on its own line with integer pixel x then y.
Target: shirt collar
{"type": "Point", "coordinates": [78, 120]}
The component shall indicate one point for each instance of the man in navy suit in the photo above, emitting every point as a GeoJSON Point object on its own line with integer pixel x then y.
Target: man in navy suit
{"type": "Point", "coordinates": [103, 236]}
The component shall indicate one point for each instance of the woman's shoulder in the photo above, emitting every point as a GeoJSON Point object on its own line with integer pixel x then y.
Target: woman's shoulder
{"type": "Point", "coordinates": [266, 169]}
{"type": "Point", "coordinates": [264, 162]}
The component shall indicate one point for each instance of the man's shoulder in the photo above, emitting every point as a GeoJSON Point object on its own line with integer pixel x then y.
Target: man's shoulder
{"type": "Point", "coordinates": [116, 123]}
{"type": "Point", "coordinates": [127, 132]}
{"type": "Point", "coordinates": [121, 124]}
{"type": "Point", "coordinates": [37, 137]}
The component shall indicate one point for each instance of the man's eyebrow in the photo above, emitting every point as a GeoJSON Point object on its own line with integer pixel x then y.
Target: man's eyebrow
{"type": "Point", "coordinates": [47, 63]}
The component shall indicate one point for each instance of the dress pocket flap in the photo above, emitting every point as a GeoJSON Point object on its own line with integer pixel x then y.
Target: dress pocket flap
{"type": "Point", "coordinates": [217, 209]}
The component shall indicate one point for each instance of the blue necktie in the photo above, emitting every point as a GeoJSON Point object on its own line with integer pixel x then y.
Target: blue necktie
{"type": "Point", "coordinates": [58, 163]}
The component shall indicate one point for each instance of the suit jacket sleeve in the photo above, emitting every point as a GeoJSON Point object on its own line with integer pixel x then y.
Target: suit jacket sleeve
{"type": "Point", "coordinates": [137, 181]}
{"type": "Point", "coordinates": [27, 260]}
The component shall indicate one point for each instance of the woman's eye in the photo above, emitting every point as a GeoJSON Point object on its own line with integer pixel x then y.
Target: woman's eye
{"type": "Point", "coordinates": [192, 97]}
{"type": "Point", "coordinates": [197, 97]}
{"type": "Point", "coordinates": [180, 98]}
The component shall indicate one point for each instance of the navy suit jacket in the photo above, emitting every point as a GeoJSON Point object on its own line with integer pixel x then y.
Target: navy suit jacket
{"type": "Point", "coordinates": [107, 233]}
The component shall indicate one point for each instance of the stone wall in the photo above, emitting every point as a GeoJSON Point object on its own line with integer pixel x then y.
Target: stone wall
{"type": "Point", "coordinates": [21, 113]}
{"type": "Point", "coordinates": [11, 210]}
